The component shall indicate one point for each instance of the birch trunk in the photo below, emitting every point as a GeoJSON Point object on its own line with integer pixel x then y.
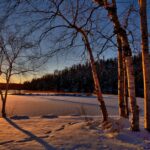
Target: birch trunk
{"type": "Point", "coordinates": [145, 62]}
{"type": "Point", "coordinates": [122, 112]}
{"type": "Point", "coordinates": [95, 77]}
{"type": "Point", "coordinates": [132, 96]}
{"type": "Point", "coordinates": [125, 90]}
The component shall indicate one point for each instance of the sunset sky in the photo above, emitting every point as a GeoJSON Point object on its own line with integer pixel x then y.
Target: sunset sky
{"type": "Point", "coordinates": [68, 57]}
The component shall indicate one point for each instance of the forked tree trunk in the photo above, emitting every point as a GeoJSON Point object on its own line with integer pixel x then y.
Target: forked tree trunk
{"type": "Point", "coordinates": [112, 12]}
{"type": "Point", "coordinates": [130, 78]}
{"type": "Point", "coordinates": [95, 77]}
{"type": "Point", "coordinates": [145, 62]}
{"type": "Point", "coordinates": [121, 101]}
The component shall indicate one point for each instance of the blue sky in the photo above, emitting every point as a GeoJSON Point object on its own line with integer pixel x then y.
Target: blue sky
{"type": "Point", "coordinates": [75, 55]}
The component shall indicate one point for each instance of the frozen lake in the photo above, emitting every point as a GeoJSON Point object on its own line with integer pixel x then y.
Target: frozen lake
{"type": "Point", "coordinates": [61, 105]}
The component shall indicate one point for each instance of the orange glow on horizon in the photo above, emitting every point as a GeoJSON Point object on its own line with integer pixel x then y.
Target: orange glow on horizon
{"type": "Point", "coordinates": [17, 79]}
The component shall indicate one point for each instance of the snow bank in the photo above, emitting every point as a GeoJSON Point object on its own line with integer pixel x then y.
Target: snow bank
{"type": "Point", "coordinates": [49, 116]}
{"type": "Point", "coordinates": [19, 117]}
{"type": "Point", "coordinates": [115, 125]}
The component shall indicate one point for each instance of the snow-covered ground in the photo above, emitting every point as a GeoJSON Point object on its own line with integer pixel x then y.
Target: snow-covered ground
{"type": "Point", "coordinates": [67, 131]}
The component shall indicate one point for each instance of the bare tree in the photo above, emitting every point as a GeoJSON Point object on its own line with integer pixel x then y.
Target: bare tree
{"type": "Point", "coordinates": [75, 22]}
{"type": "Point", "coordinates": [6, 8]}
{"type": "Point", "coordinates": [145, 62]}
{"type": "Point", "coordinates": [14, 60]}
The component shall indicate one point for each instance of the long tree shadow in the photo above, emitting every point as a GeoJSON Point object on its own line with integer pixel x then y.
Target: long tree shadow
{"type": "Point", "coordinates": [31, 135]}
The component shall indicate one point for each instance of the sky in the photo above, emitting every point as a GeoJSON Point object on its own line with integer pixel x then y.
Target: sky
{"type": "Point", "coordinates": [75, 55]}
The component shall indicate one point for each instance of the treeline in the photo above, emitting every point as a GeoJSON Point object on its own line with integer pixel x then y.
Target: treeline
{"type": "Point", "coordinates": [78, 78]}
{"type": "Point", "coordinates": [12, 86]}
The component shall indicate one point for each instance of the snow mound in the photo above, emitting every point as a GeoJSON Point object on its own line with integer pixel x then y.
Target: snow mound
{"type": "Point", "coordinates": [49, 116]}
{"type": "Point", "coordinates": [115, 125]}
{"type": "Point", "coordinates": [75, 115]}
{"type": "Point", "coordinates": [19, 117]}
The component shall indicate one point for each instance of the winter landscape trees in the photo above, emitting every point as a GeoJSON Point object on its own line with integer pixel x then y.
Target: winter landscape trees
{"type": "Point", "coordinates": [105, 36]}
{"type": "Point", "coordinates": [80, 25]}
{"type": "Point", "coordinates": [85, 28]}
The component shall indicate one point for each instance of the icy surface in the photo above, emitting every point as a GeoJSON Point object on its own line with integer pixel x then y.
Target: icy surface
{"type": "Point", "coordinates": [61, 105]}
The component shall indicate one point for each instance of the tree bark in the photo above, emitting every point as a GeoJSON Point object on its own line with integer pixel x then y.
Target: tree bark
{"type": "Point", "coordinates": [121, 101]}
{"type": "Point", "coordinates": [125, 90]}
{"type": "Point", "coordinates": [3, 108]}
{"type": "Point", "coordinates": [4, 97]}
{"type": "Point", "coordinates": [95, 76]}
{"type": "Point", "coordinates": [132, 96]}
{"type": "Point", "coordinates": [112, 13]}
{"type": "Point", "coordinates": [145, 62]}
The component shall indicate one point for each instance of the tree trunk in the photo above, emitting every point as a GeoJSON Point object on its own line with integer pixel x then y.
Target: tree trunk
{"type": "Point", "coordinates": [125, 90]}
{"type": "Point", "coordinates": [4, 97]}
{"type": "Point", "coordinates": [3, 108]}
{"type": "Point", "coordinates": [95, 77]}
{"type": "Point", "coordinates": [121, 102]}
{"type": "Point", "coordinates": [145, 62]}
{"type": "Point", "coordinates": [132, 96]}
{"type": "Point", "coordinates": [112, 13]}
